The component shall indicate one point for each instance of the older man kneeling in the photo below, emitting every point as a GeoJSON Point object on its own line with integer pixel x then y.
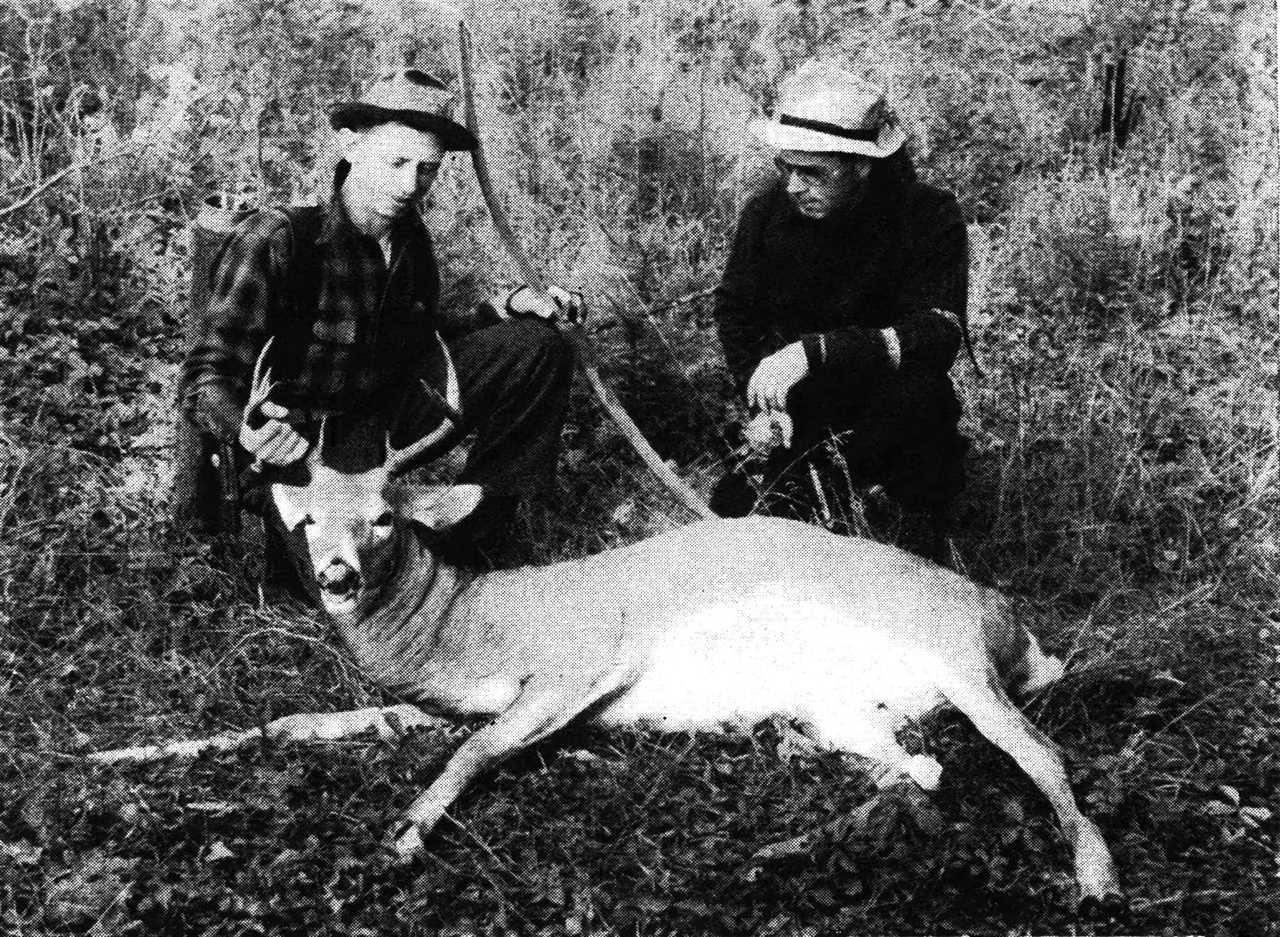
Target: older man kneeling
{"type": "Point", "coordinates": [841, 304]}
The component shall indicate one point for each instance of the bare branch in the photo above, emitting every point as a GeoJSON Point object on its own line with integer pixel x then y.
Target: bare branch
{"type": "Point", "coordinates": [390, 722]}
{"type": "Point", "coordinates": [58, 177]}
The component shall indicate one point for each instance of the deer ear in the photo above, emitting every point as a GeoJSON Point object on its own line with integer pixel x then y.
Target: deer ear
{"type": "Point", "coordinates": [292, 503]}
{"type": "Point", "coordinates": [438, 507]}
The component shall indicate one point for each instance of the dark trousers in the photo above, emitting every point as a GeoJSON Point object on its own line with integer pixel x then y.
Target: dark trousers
{"type": "Point", "coordinates": [514, 380]}
{"type": "Point", "coordinates": [900, 433]}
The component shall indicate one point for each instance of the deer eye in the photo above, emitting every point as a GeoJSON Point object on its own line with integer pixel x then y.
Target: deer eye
{"type": "Point", "coordinates": [385, 519]}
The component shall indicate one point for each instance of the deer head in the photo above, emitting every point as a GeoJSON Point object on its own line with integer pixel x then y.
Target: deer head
{"type": "Point", "coordinates": [352, 521]}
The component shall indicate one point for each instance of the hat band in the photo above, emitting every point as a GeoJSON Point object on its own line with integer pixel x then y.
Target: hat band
{"type": "Point", "coordinates": [835, 130]}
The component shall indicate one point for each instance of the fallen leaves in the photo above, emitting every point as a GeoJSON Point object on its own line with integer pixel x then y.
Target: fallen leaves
{"type": "Point", "coordinates": [21, 853]}
{"type": "Point", "coordinates": [89, 887]}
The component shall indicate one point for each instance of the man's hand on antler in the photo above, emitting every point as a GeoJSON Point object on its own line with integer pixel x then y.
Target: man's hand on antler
{"type": "Point", "coordinates": [273, 441]}
{"type": "Point", "coordinates": [555, 303]}
{"type": "Point", "coordinates": [263, 432]}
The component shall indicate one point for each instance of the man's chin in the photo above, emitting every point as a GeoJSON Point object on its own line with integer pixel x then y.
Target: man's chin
{"type": "Point", "coordinates": [812, 212]}
{"type": "Point", "coordinates": [340, 606]}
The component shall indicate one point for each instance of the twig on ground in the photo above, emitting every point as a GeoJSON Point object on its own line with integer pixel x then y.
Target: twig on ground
{"type": "Point", "coordinates": [389, 722]}
{"type": "Point", "coordinates": [682, 301]}
{"type": "Point", "coordinates": [851, 826]}
{"type": "Point", "coordinates": [1145, 904]}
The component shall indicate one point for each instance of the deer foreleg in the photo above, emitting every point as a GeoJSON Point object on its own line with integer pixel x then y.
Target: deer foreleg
{"type": "Point", "coordinates": [535, 714]}
{"type": "Point", "coordinates": [389, 722]}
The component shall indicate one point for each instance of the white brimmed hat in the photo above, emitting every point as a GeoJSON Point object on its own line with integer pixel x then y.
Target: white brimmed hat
{"type": "Point", "coordinates": [824, 109]}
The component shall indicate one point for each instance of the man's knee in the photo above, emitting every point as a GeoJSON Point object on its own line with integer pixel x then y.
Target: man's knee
{"type": "Point", "coordinates": [533, 348]}
{"type": "Point", "coordinates": [929, 476]}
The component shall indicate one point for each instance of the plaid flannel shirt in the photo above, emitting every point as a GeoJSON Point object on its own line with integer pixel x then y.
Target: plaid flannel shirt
{"type": "Point", "coordinates": [370, 328]}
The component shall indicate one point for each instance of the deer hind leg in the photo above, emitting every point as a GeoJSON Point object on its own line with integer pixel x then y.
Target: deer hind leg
{"type": "Point", "coordinates": [994, 715]}
{"type": "Point", "coordinates": [536, 713]}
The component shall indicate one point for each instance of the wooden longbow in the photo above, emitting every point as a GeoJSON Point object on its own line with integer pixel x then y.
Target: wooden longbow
{"type": "Point", "coordinates": [585, 356]}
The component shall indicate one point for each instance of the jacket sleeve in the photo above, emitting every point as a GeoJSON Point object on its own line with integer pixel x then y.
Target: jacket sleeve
{"type": "Point", "coordinates": [934, 294]}
{"type": "Point", "coordinates": [737, 299]}
{"type": "Point", "coordinates": [247, 271]}
{"type": "Point", "coordinates": [462, 310]}
{"type": "Point", "coordinates": [927, 306]}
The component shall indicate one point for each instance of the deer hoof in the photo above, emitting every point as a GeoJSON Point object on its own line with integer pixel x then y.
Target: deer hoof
{"type": "Point", "coordinates": [1096, 872]}
{"type": "Point", "coordinates": [1102, 889]}
{"type": "Point", "coordinates": [924, 770]}
{"type": "Point", "coordinates": [407, 843]}
{"type": "Point", "coordinates": [1110, 906]}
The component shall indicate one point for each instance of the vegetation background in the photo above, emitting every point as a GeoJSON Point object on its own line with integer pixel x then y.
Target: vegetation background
{"type": "Point", "coordinates": [1124, 464]}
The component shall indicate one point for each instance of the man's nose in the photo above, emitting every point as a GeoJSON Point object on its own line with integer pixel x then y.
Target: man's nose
{"type": "Point", "coordinates": [409, 182]}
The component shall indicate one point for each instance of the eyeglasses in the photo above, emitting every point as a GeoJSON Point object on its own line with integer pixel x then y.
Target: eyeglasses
{"type": "Point", "coordinates": [809, 175]}
{"type": "Point", "coordinates": [427, 173]}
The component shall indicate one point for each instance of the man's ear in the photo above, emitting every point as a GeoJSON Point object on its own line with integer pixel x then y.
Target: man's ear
{"type": "Point", "coordinates": [348, 139]}
{"type": "Point", "coordinates": [292, 503]}
{"type": "Point", "coordinates": [438, 507]}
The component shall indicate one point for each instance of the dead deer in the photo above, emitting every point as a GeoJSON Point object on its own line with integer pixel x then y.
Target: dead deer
{"type": "Point", "coordinates": [718, 622]}
{"type": "Point", "coordinates": [721, 621]}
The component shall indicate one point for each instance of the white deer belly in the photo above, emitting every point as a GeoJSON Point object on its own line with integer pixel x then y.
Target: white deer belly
{"type": "Point", "coordinates": [742, 661]}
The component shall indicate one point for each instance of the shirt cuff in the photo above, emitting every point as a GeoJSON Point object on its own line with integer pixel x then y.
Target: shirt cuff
{"type": "Point", "coordinates": [487, 314]}
{"type": "Point", "coordinates": [815, 349]}
{"type": "Point", "coordinates": [893, 346]}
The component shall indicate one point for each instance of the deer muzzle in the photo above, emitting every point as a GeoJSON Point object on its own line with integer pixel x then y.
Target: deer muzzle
{"type": "Point", "coordinates": [339, 586]}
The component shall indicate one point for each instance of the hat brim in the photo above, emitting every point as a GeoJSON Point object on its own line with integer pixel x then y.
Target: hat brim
{"type": "Point", "coordinates": [452, 135]}
{"type": "Point", "coordinates": [781, 137]}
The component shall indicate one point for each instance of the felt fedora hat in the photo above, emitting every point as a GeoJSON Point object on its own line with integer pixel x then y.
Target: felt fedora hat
{"type": "Point", "coordinates": [824, 109]}
{"type": "Point", "coordinates": [410, 97]}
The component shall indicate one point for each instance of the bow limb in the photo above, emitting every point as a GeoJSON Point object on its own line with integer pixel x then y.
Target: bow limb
{"type": "Point", "coordinates": [585, 356]}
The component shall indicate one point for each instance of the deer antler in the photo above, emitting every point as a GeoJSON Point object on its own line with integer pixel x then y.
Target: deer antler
{"type": "Point", "coordinates": [260, 390]}
{"type": "Point", "coordinates": [449, 404]}
{"type": "Point", "coordinates": [262, 383]}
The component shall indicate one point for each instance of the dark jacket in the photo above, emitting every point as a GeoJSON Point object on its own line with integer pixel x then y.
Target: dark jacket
{"type": "Point", "coordinates": [890, 261]}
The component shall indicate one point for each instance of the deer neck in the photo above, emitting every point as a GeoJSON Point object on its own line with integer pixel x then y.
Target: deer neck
{"type": "Point", "coordinates": [396, 638]}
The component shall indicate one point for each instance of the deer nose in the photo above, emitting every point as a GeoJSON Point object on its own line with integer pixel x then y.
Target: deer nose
{"type": "Point", "coordinates": [339, 578]}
